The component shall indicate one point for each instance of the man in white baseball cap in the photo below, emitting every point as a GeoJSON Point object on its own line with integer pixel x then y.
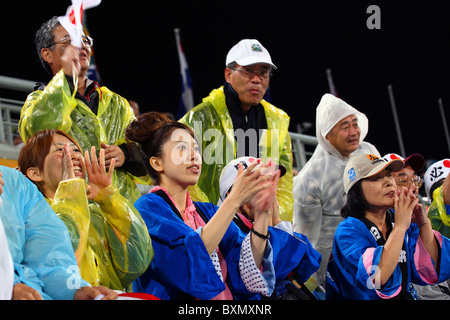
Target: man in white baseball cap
{"type": "Point", "coordinates": [244, 220]}
{"type": "Point", "coordinates": [242, 123]}
{"type": "Point", "coordinates": [248, 52]}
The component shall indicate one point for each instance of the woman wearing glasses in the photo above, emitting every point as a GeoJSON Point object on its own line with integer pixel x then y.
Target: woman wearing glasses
{"type": "Point", "coordinates": [378, 253]}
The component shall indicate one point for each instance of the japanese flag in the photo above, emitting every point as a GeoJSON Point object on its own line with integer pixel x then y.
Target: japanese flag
{"type": "Point", "coordinates": [73, 20]}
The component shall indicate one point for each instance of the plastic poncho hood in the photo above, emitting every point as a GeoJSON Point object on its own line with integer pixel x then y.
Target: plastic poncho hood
{"type": "Point", "coordinates": [329, 112]}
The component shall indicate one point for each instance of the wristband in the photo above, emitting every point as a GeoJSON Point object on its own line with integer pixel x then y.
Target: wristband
{"type": "Point", "coordinates": [262, 236]}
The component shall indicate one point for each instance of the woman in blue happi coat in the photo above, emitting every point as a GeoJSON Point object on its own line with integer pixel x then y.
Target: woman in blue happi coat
{"type": "Point", "coordinates": [198, 252]}
{"type": "Point", "coordinates": [378, 254]}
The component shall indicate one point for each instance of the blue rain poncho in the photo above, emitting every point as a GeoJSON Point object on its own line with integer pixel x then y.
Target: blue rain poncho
{"type": "Point", "coordinates": [38, 240]}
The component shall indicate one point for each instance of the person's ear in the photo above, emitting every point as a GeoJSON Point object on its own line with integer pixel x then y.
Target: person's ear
{"type": "Point", "coordinates": [34, 174]}
{"type": "Point", "coordinates": [155, 163]}
{"type": "Point", "coordinates": [228, 72]}
{"type": "Point", "coordinates": [47, 55]}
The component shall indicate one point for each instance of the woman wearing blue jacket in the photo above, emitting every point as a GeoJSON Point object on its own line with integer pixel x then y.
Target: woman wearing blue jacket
{"type": "Point", "coordinates": [378, 254]}
{"type": "Point", "coordinates": [199, 253]}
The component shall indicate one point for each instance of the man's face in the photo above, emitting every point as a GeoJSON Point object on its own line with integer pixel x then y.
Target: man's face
{"type": "Point", "coordinates": [56, 52]}
{"type": "Point", "coordinates": [407, 178]}
{"type": "Point", "coordinates": [344, 136]}
{"type": "Point", "coordinates": [248, 82]}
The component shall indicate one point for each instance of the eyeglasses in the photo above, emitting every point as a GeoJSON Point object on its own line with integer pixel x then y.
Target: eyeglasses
{"type": "Point", "coordinates": [405, 180]}
{"type": "Point", "coordinates": [262, 74]}
{"type": "Point", "coordinates": [87, 41]}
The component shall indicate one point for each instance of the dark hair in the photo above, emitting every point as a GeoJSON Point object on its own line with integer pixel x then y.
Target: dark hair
{"type": "Point", "coordinates": [44, 39]}
{"type": "Point", "coordinates": [435, 186]}
{"type": "Point", "coordinates": [151, 131]}
{"type": "Point", "coordinates": [356, 204]}
{"type": "Point", "coordinates": [36, 148]}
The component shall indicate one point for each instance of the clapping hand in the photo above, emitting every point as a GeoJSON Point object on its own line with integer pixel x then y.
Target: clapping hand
{"type": "Point", "coordinates": [96, 172]}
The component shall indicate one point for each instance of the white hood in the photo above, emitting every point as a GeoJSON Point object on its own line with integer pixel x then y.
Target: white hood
{"type": "Point", "coordinates": [329, 112]}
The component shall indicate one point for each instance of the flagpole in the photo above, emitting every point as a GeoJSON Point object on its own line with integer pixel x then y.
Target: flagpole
{"type": "Point", "coordinates": [331, 83]}
{"type": "Point", "coordinates": [187, 95]}
{"type": "Point", "coordinates": [397, 123]}
{"type": "Point", "coordinates": [444, 123]}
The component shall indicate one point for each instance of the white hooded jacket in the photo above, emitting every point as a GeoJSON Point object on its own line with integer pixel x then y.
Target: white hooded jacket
{"type": "Point", "coordinates": [318, 188]}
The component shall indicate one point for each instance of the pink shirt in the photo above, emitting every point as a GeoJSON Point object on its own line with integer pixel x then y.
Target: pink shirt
{"type": "Point", "coordinates": [195, 221]}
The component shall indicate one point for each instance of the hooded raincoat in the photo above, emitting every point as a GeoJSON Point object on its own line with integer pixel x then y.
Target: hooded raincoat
{"type": "Point", "coordinates": [318, 188]}
{"type": "Point", "coordinates": [111, 242]}
{"type": "Point", "coordinates": [213, 127]}
{"type": "Point", "coordinates": [38, 240]}
{"type": "Point", "coordinates": [56, 107]}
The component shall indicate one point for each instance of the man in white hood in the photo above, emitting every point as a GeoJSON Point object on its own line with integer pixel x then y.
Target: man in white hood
{"type": "Point", "coordinates": [318, 188]}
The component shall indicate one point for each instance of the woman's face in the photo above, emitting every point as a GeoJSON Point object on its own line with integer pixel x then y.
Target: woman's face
{"type": "Point", "coordinates": [181, 162]}
{"type": "Point", "coordinates": [379, 190]}
{"type": "Point", "coordinates": [52, 171]}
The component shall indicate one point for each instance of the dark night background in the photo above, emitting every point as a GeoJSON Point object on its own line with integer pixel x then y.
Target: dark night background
{"type": "Point", "coordinates": [137, 57]}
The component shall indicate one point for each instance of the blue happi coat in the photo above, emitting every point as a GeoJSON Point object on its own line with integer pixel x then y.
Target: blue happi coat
{"type": "Point", "coordinates": [356, 254]}
{"type": "Point", "coordinates": [182, 263]}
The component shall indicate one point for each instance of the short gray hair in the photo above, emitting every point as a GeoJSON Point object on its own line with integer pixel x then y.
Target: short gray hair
{"type": "Point", "coordinates": [44, 39]}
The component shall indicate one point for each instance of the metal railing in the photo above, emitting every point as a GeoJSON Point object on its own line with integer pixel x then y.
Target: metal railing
{"type": "Point", "coordinates": [10, 114]}
{"type": "Point", "coordinates": [9, 119]}
{"type": "Point", "coordinates": [301, 155]}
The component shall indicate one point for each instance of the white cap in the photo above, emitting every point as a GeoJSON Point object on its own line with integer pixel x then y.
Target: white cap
{"type": "Point", "coordinates": [363, 166]}
{"type": "Point", "coordinates": [230, 172]}
{"type": "Point", "coordinates": [247, 52]}
{"type": "Point", "coordinates": [435, 173]}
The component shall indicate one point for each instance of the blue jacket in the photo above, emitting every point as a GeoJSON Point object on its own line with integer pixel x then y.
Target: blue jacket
{"type": "Point", "coordinates": [38, 240]}
{"type": "Point", "coordinates": [182, 263]}
{"type": "Point", "coordinates": [356, 255]}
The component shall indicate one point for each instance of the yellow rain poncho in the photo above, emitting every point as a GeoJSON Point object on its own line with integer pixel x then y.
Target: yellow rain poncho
{"type": "Point", "coordinates": [111, 242]}
{"type": "Point", "coordinates": [213, 127]}
{"type": "Point", "coordinates": [437, 213]}
{"type": "Point", "coordinates": [56, 107]}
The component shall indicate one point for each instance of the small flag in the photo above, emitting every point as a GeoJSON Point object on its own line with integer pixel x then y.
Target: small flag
{"type": "Point", "coordinates": [333, 90]}
{"type": "Point", "coordinates": [72, 21]}
{"type": "Point", "coordinates": [187, 95]}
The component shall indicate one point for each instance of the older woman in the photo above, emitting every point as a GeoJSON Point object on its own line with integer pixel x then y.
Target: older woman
{"type": "Point", "coordinates": [373, 257]}
{"type": "Point", "coordinates": [109, 237]}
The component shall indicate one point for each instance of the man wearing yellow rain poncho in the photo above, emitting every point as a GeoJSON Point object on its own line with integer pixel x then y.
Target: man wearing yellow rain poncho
{"type": "Point", "coordinates": [108, 235]}
{"type": "Point", "coordinates": [235, 121]}
{"type": "Point", "coordinates": [93, 115]}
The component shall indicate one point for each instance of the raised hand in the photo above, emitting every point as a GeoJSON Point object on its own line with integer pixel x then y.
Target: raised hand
{"type": "Point", "coordinates": [96, 172]}
{"type": "Point", "coordinates": [67, 164]}
{"type": "Point", "coordinates": [264, 199]}
{"type": "Point", "coordinates": [404, 203]}
{"type": "Point", "coordinates": [70, 60]}
{"type": "Point", "coordinates": [248, 183]}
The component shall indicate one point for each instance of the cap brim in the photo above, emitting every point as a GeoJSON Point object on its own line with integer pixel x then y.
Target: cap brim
{"type": "Point", "coordinates": [416, 161]}
{"type": "Point", "coordinates": [393, 165]}
{"type": "Point", "coordinates": [248, 61]}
